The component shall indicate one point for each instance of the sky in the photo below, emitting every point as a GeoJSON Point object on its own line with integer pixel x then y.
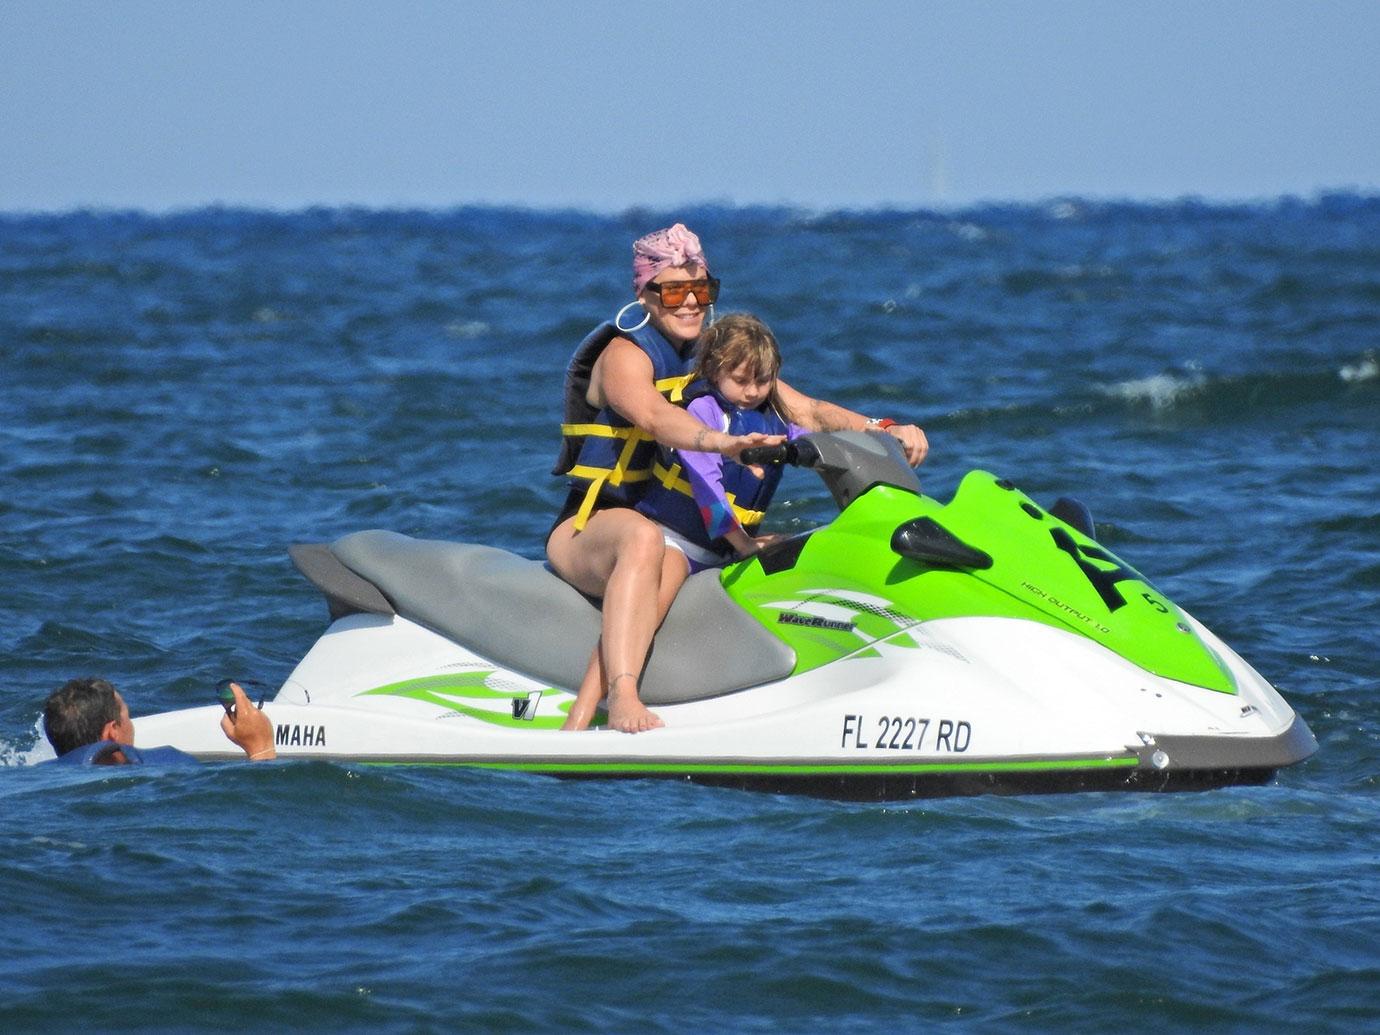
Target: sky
{"type": "Point", "coordinates": [605, 106]}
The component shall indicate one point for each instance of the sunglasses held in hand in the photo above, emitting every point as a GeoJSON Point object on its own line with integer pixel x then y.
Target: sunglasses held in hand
{"type": "Point", "coordinates": [226, 696]}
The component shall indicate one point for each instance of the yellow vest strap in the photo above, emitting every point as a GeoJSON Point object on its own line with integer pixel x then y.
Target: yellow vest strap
{"type": "Point", "coordinates": [595, 430]}
{"type": "Point", "coordinates": [747, 518]}
{"type": "Point", "coordinates": [619, 474]}
{"type": "Point", "coordinates": [670, 477]}
{"type": "Point", "coordinates": [587, 504]}
{"type": "Point", "coordinates": [673, 387]}
{"type": "Point", "coordinates": [602, 473]}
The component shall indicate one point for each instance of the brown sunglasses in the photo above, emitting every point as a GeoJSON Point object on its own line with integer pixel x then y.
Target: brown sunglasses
{"type": "Point", "coordinates": [674, 292]}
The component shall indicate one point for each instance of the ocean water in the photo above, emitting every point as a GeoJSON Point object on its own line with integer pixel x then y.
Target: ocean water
{"type": "Point", "coordinates": [182, 396]}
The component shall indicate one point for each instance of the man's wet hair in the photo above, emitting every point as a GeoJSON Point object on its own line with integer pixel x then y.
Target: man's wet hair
{"type": "Point", "coordinates": [76, 712]}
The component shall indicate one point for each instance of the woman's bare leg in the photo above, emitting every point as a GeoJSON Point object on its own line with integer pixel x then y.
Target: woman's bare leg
{"type": "Point", "coordinates": [674, 571]}
{"type": "Point", "coordinates": [620, 556]}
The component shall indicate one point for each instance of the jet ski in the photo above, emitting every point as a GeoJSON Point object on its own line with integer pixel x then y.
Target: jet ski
{"type": "Point", "coordinates": [908, 648]}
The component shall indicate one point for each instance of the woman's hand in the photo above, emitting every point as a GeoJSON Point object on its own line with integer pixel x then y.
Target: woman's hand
{"type": "Point", "coordinates": [819, 415]}
{"type": "Point", "coordinates": [912, 440]}
{"type": "Point", "coordinates": [734, 445]}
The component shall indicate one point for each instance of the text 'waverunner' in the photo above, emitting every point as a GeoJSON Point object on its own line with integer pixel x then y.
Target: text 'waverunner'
{"type": "Point", "coordinates": [906, 649]}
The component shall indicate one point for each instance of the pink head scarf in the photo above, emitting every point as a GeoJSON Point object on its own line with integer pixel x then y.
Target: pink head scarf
{"type": "Point", "coordinates": [662, 249]}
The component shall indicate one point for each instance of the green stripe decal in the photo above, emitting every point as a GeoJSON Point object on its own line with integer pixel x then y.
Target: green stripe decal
{"type": "Point", "coordinates": [453, 690]}
{"type": "Point", "coordinates": [821, 769]}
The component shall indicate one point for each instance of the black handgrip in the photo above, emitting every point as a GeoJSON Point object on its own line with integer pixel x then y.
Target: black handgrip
{"type": "Point", "coordinates": [783, 454]}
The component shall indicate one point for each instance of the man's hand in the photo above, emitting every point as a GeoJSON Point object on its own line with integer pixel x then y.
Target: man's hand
{"type": "Point", "coordinates": [248, 727]}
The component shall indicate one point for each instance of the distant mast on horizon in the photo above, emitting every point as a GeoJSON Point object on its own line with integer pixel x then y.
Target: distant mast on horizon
{"type": "Point", "coordinates": [939, 170]}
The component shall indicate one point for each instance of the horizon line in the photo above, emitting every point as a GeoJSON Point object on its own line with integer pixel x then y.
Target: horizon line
{"type": "Point", "coordinates": [1313, 196]}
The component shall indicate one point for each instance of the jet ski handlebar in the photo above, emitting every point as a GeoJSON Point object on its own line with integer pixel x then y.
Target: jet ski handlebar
{"type": "Point", "coordinates": [850, 462]}
{"type": "Point", "coordinates": [800, 453]}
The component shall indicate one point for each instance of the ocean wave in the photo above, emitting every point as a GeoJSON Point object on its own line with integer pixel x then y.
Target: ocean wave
{"type": "Point", "coordinates": [1242, 393]}
{"type": "Point", "coordinates": [222, 222]}
{"type": "Point", "coordinates": [1190, 391]}
{"type": "Point", "coordinates": [186, 394]}
{"type": "Point", "coordinates": [1158, 391]}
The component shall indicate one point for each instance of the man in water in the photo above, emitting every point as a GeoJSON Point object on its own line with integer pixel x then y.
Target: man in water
{"type": "Point", "coordinates": [87, 722]}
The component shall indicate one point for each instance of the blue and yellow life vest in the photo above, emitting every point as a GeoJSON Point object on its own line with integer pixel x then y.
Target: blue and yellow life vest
{"type": "Point", "coordinates": [601, 451]}
{"type": "Point", "coordinates": [670, 500]}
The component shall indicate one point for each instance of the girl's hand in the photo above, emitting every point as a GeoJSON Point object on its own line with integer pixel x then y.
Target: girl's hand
{"type": "Point", "coordinates": [761, 542]}
{"type": "Point", "coordinates": [745, 545]}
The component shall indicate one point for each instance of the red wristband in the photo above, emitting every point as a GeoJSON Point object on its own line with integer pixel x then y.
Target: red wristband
{"type": "Point", "coordinates": [880, 423]}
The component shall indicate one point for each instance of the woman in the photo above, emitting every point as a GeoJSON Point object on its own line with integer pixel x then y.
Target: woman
{"type": "Point", "coordinates": [621, 390]}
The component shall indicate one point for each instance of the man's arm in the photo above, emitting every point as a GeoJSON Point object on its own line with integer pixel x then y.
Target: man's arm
{"type": "Point", "coordinates": [250, 728]}
{"type": "Point", "coordinates": [820, 415]}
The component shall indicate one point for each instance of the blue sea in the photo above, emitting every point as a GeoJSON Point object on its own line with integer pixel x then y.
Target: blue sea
{"type": "Point", "coordinates": [182, 396]}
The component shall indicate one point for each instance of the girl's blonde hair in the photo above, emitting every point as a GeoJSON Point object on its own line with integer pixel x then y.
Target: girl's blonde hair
{"type": "Point", "coordinates": [735, 340]}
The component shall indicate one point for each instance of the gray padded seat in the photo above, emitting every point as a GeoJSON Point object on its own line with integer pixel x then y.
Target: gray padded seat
{"type": "Point", "coordinates": [520, 615]}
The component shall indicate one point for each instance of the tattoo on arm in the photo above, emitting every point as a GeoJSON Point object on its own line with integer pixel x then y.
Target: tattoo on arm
{"type": "Point", "coordinates": [829, 417]}
{"type": "Point", "coordinates": [700, 436]}
{"type": "Point", "coordinates": [821, 415]}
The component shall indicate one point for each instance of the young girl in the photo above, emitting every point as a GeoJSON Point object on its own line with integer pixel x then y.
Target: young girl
{"type": "Point", "coordinates": [710, 507]}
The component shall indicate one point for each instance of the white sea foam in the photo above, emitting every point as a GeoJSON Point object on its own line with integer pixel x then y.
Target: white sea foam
{"type": "Point", "coordinates": [40, 750]}
{"type": "Point", "coordinates": [969, 231]}
{"type": "Point", "coordinates": [1365, 369]}
{"type": "Point", "coordinates": [466, 329]}
{"type": "Point", "coordinates": [1160, 391]}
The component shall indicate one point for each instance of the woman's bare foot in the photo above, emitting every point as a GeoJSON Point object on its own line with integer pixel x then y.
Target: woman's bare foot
{"type": "Point", "coordinates": [627, 713]}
